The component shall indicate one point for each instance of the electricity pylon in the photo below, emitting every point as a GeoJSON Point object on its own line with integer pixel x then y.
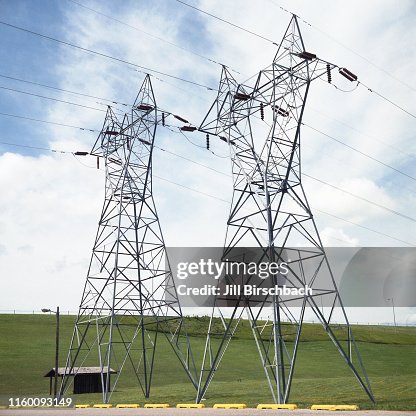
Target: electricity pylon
{"type": "Point", "coordinates": [129, 295]}
{"type": "Point", "coordinates": [270, 211]}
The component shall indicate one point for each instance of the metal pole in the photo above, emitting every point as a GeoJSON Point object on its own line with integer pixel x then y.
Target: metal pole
{"type": "Point", "coordinates": [55, 388]}
{"type": "Point", "coordinates": [394, 314]}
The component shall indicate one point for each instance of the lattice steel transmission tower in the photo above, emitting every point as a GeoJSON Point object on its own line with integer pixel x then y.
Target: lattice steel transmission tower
{"type": "Point", "coordinates": [129, 295]}
{"type": "Point", "coordinates": [270, 211]}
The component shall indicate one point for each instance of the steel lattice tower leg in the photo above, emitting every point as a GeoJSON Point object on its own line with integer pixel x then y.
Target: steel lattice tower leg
{"type": "Point", "coordinates": [270, 211]}
{"type": "Point", "coordinates": [129, 295]}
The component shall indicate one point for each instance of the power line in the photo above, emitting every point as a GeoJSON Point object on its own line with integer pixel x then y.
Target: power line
{"type": "Point", "coordinates": [360, 152]}
{"type": "Point", "coordinates": [190, 141]}
{"type": "Point", "coordinates": [227, 22]}
{"type": "Point", "coordinates": [52, 99]}
{"type": "Point", "coordinates": [392, 211]}
{"type": "Point", "coordinates": [192, 161]}
{"type": "Point", "coordinates": [72, 92]}
{"type": "Point", "coordinates": [103, 55]}
{"type": "Point", "coordinates": [148, 34]}
{"type": "Point", "coordinates": [49, 122]}
{"type": "Point", "coordinates": [388, 100]}
{"type": "Point", "coordinates": [365, 228]}
{"type": "Point", "coordinates": [362, 133]}
{"type": "Point", "coordinates": [63, 90]}
{"type": "Point", "coordinates": [193, 189]}
{"type": "Point", "coordinates": [66, 125]}
{"type": "Point", "coordinates": [34, 147]}
{"type": "Point", "coordinates": [344, 162]}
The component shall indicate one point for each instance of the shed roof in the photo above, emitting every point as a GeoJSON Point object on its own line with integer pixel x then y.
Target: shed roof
{"type": "Point", "coordinates": [78, 370]}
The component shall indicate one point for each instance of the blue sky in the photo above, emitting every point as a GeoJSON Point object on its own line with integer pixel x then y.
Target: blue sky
{"type": "Point", "coordinates": [24, 56]}
{"type": "Point", "coordinates": [51, 202]}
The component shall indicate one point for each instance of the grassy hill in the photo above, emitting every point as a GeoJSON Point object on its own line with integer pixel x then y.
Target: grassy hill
{"type": "Point", "coordinates": [27, 344]}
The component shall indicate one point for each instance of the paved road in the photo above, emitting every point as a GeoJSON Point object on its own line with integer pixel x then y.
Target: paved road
{"type": "Point", "coordinates": [192, 412]}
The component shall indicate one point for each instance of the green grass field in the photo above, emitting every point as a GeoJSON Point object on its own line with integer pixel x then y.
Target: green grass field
{"type": "Point", "coordinates": [27, 345]}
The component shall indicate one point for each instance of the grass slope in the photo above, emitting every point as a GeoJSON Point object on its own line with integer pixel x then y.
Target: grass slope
{"type": "Point", "coordinates": [27, 345]}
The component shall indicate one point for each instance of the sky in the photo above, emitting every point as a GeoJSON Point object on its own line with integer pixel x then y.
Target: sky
{"type": "Point", "coordinates": [50, 201]}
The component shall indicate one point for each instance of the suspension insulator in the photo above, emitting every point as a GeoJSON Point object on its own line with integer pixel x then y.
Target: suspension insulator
{"type": "Point", "coordinates": [163, 119]}
{"type": "Point", "coordinates": [348, 74]}
{"type": "Point", "coordinates": [328, 73]}
{"type": "Point", "coordinates": [188, 128]}
{"type": "Point", "coordinates": [261, 111]}
{"type": "Point", "coordinates": [242, 97]}
{"type": "Point", "coordinates": [281, 111]}
{"type": "Point", "coordinates": [180, 118]}
{"type": "Point", "coordinates": [307, 55]}
{"type": "Point", "coordinates": [144, 107]}
{"type": "Point", "coordinates": [207, 141]}
{"type": "Point", "coordinates": [98, 162]}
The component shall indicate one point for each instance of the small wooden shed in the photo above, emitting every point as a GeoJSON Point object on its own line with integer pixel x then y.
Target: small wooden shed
{"type": "Point", "coordinates": [86, 379]}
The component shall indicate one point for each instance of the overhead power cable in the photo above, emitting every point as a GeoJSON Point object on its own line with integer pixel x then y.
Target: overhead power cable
{"type": "Point", "coordinates": [192, 161]}
{"type": "Point", "coordinates": [192, 189]}
{"type": "Point", "coordinates": [52, 99]}
{"type": "Point", "coordinates": [388, 100]}
{"type": "Point", "coordinates": [63, 90]}
{"type": "Point", "coordinates": [49, 122]}
{"type": "Point", "coordinates": [383, 142]}
{"type": "Point", "coordinates": [147, 33]}
{"type": "Point", "coordinates": [392, 211]}
{"type": "Point", "coordinates": [360, 152]}
{"type": "Point", "coordinates": [104, 55]}
{"type": "Point", "coordinates": [34, 147]}
{"type": "Point", "coordinates": [377, 93]}
{"type": "Point", "coordinates": [365, 228]}
{"type": "Point", "coordinates": [227, 22]}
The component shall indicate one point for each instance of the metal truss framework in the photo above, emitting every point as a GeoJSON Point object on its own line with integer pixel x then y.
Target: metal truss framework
{"type": "Point", "coordinates": [270, 211]}
{"type": "Point", "coordinates": [129, 295]}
